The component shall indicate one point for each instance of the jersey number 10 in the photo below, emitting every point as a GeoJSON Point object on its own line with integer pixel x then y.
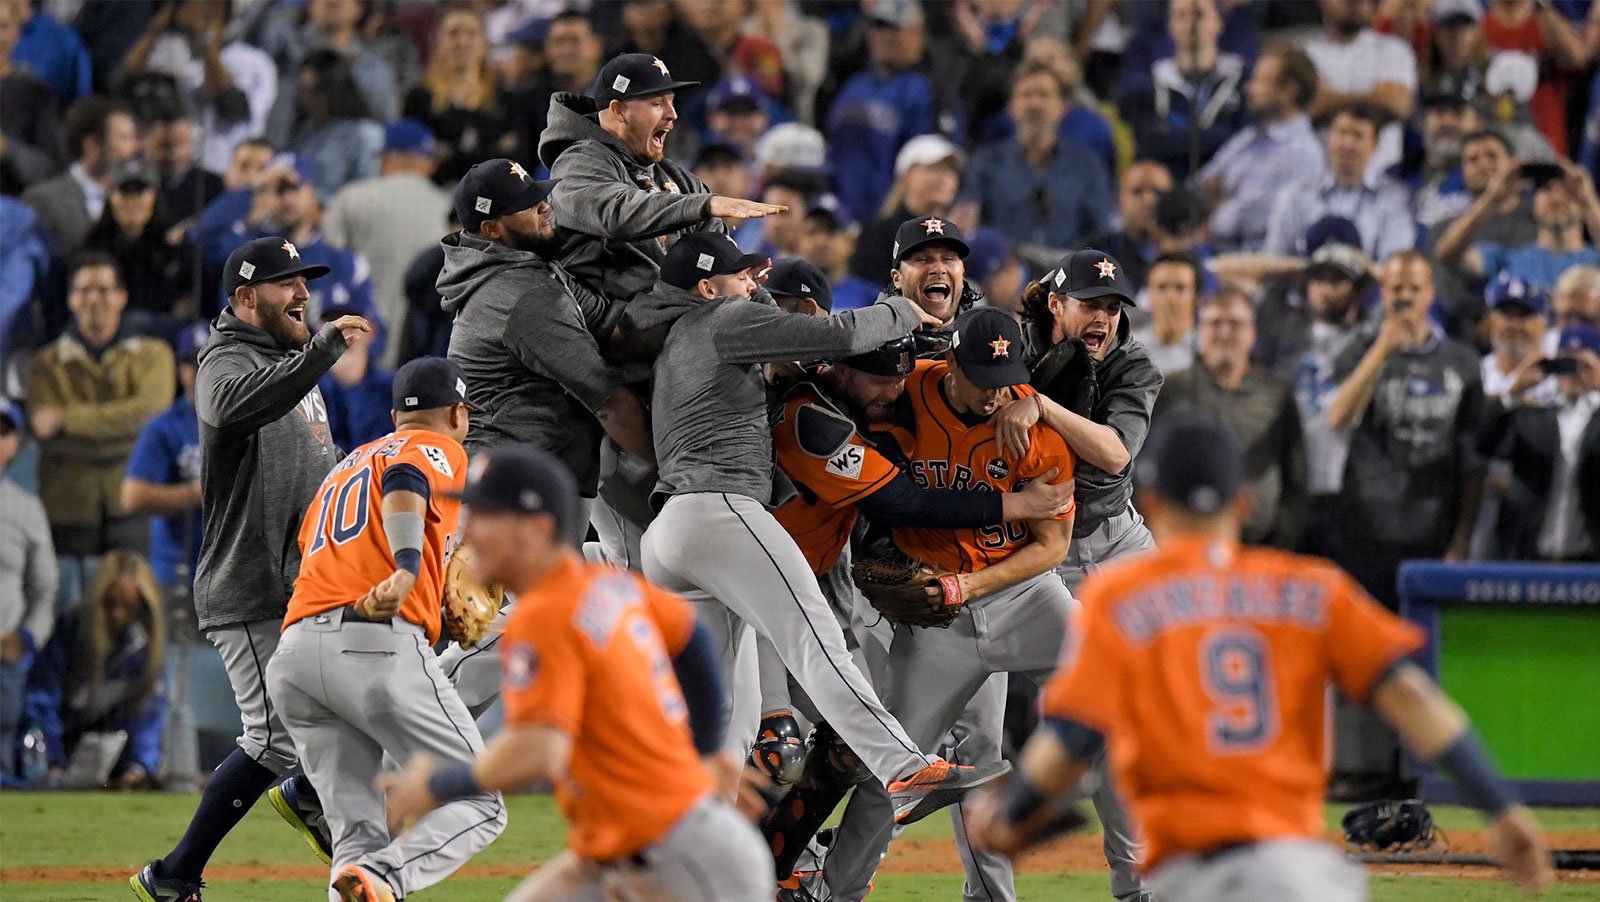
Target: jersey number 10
{"type": "Point", "coordinates": [346, 518]}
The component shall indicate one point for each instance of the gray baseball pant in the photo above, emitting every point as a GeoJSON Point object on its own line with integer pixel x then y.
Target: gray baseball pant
{"type": "Point", "coordinates": [711, 854]}
{"type": "Point", "coordinates": [246, 648]}
{"type": "Point", "coordinates": [1284, 870]}
{"type": "Point", "coordinates": [351, 692]}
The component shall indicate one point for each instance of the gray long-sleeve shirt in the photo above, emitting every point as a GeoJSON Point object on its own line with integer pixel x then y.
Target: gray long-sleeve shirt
{"type": "Point", "coordinates": [27, 566]}
{"type": "Point", "coordinates": [265, 447]}
{"type": "Point", "coordinates": [709, 414]}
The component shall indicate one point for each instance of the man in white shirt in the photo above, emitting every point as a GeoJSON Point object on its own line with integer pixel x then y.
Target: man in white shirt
{"type": "Point", "coordinates": [1170, 294]}
{"type": "Point", "coordinates": [1359, 65]}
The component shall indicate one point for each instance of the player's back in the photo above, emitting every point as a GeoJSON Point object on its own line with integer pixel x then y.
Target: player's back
{"type": "Point", "coordinates": [1207, 665]}
{"type": "Point", "coordinates": [588, 651]}
{"type": "Point", "coordinates": [344, 549]}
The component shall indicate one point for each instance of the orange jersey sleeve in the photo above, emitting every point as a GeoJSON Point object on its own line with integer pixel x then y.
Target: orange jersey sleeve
{"type": "Point", "coordinates": [588, 652]}
{"type": "Point", "coordinates": [1364, 639]}
{"type": "Point", "coordinates": [344, 549]}
{"type": "Point", "coordinates": [831, 473]}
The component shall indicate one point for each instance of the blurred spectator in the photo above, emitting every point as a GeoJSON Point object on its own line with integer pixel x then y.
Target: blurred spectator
{"type": "Point", "coordinates": [1171, 290]}
{"type": "Point", "coordinates": [1455, 62]}
{"type": "Point", "coordinates": [90, 392]}
{"type": "Point", "coordinates": [389, 38]}
{"type": "Point", "coordinates": [781, 234]}
{"type": "Point", "coordinates": [185, 188]}
{"type": "Point", "coordinates": [1134, 244]}
{"type": "Point", "coordinates": [927, 177]}
{"type": "Point", "coordinates": [163, 479]}
{"type": "Point", "coordinates": [461, 101]}
{"type": "Point", "coordinates": [720, 26]}
{"type": "Point", "coordinates": [1181, 229]}
{"type": "Point", "coordinates": [391, 219]}
{"type": "Point", "coordinates": [1377, 204]}
{"type": "Point", "coordinates": [100, 134]}
{"type": "Point", "coordinates": [24, 260]}
{"type": "Point", "coordinates": [1504, 218]}
{"type": "Point", "coordinates": [1564, 202]}
{"type": "Point", "coordinates": [134, 232]}
{"type": "Point", "coordinates": [884, 106]}
{"type": "Point", "coordinates": [27, 587]}
{"type": "Point", "coordinates": [1539, 30]}
{"type": "Point", "coordinates": [572, 57]}
{"type": "Point", "coordinates": [1081, 122]}
{"type": "Point", "coordinates": [1257, 405]}
{"type": "Point", "coordinates": [27, 108]}
{"type": "Point", "coordinates": [655, 27]}
{"type": "Point", "coordinates": [230, 85]}
{"type": "Point", "coordinates": [990, 36]}
{"type": "Point", "coordinates": [1192, 101]}
{"type": "Point", "coordinates": [803, 43]}
{"type": "Point", "coordinates": [1550, 509]}
{"type": "Point", "coordinates": [830, 241]}
{"type": "Point", "coordinates": [1279, 147]}
{"type": "Point", "coordinates": [336, 130]}
{"type": "Point", "coordinates": [790, 145]}
{"type": "Point", "coordinates": [100, 676]}
{"type": "Point", "coordinates": [723, 170]}
{"type": "Point", "coordinates": [214, 233]}
{"type": "Point", "coordinates": [1509, 83]}
{"type": "Point", "coordinates": [996, 270]}
{"type": "Point", "coordinates": [358, 391]}
{"type": "Point", "coordinates": [1517, 325]}
{"type": "Point", "coordinates": [1357, 65]}
{"type": "Point", "coordinates": [737, 113]}
{"type": "Point", "coordinates": [1047, 194]}
{"type": "Point", "coordinates": [428, 324]}
{"type": "Point", "coordinates": [327, 25]}
{"type": "Point", "coordinates": [53, 52]}
{"type": "Point", "coordinates": [1439, 186]}
{"type": "Point", "coordinates": [1576, 298]}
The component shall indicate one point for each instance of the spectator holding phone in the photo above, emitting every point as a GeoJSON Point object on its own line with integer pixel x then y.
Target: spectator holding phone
{"type": "Point", "coordinates": [1564, 202]}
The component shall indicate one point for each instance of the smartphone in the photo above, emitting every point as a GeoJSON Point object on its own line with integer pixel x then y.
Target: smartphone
{"type": "Point", "coordinates": [1541, 174]}
{"type": "Point", "coordinates": [1559, 366]}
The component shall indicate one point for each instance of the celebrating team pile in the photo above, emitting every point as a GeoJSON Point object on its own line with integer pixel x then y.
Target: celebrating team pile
{"type": "Point", "coordinates": [824, 544]}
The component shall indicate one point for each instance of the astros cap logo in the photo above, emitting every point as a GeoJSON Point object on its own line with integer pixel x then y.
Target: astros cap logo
{"type": "Point", "coordinates": [518, 171]}
{"type": "Point", "coordinates": [1108, 270]}
{"type": "Point", "coordinates": [291, 250]}
{"type": "Point", "coordinates": [934, 225]}
{"type": "Point", "coordinates": [1000, 348]}
{"type": "Point", "coordinates": [662, 66]}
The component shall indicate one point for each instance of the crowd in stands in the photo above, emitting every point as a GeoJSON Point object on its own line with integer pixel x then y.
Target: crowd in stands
{"type": "Point", "coordinates": [1363, 234]}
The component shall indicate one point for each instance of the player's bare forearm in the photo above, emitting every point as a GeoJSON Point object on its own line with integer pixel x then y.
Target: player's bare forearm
{"type": "Point", "coordinates": [141, 497]}
{"type": "Point", "coordinates": [1095, 444]}
{"type": "Point", "coordinates": [624, 420]}
{"type": "Point", "coordinates": [1414, 705]}
{"type": "Point", "coordinates": [1047, 764]}
{"type": "Point", "coordinates": [1051, 539]}
{"type": "Point", "coordinates": [521, 756]}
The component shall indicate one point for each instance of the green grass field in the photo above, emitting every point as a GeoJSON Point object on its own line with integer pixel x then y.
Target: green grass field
{"type": "Point", "coordinates": [68, 847]}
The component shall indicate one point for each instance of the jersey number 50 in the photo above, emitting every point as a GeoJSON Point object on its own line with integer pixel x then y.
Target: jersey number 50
{"type": "Point", "coordinates": [345, 519]}
{"type": "Point", "coordinates": [1236, 670]}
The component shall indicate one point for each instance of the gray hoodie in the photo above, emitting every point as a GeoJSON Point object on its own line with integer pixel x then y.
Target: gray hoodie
{"type": "Point", "coordinates": [709, 413]}
{"type": "Point", "coordinates": [615, 215]}
{"type": "Point", "coordinates": [522, 337]}
{"type": "Point", "coordinates": [264, 450]}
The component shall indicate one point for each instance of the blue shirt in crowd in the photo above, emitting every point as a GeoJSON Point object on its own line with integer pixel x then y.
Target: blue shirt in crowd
{"type": "Point", "coordinates": [873, 116]}
{"type": "Point", "coordinates": [360, 413]}
{"type": "Point", "coordinates": [853, 293]}
{"type": "Point", "coordinates": [55, 55]}
{"type": "Point", "coordinates": [168, 453]}
{"type": "Point", "coordinates": [1061, 206]}
{"type": "Point", "coordinates": [1082, 124]}
{"type": "Point", "coordinates": [1250, 170]}
{"type": "Point", "coordinates": [1532, 263]}
{"type": "Point", "coordinates": [1165, 108]}
{"type": "Point", "coordinates": [1379, 206]}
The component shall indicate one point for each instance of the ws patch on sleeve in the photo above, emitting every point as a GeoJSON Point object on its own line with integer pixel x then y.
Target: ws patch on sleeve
{"type": "Point", "coordinates": [847, 463]}
{"type": "Point", "coordinates": [437, 458]}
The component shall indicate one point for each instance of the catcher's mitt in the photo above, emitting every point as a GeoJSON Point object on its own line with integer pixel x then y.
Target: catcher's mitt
{"type": "Point", "coordinates": [897, 587]}
{"type": "Point", "coordinates": [1068, 375]}
{"type": "Point", "coordinates": [469, 605]}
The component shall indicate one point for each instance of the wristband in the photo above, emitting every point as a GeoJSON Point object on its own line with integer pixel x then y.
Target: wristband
{"type": "Point", "coordinates": [1038, 401]}
{"type": "Point", "coordinates": [453, 782]}
{"type": "Point", "coordinates": [409, 560]}
{"type": "Point", "coordinates": [1020, 799]}
{"type": "Point", "coordinates": [1468, 762]}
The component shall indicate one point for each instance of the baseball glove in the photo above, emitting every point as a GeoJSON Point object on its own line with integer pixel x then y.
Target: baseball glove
{"type": "Point", "coordinates": [897, 587]}
{"type": "Point", "coordinates": [469, 605]}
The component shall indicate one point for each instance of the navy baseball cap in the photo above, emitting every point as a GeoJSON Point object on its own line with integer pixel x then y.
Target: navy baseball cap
{"type": "Point", "coordinates": [522, 479]}
{"type": "Point", "coordinates": [429, 382]}
{"type": "Point", "coordinates": [134, 172]}
{"type": "Point", "coordinates": [1509, 291]}
{"type": "Point", "coordinates": [921, 231]}
{"type": "Point", "coordinates": [1090, 274]}
{"type": "Point", "coordinates": [895, 357]}
{"type": "Point", "coordinates": [990, 251]}
{"type": "Point", "coordinates": [795, 277]}
{"type": "Point", "coordinates": [193, 337]}
{"type": "Point", "coordinates": [736, 94]}
{"type": "Point", "coordinates": [1339, 259]}
{"type": "Point", "coordinates": [1330, 230]}
{"type": "Point", "coordinates": [828, 206]}
{"type": "Point", "coordinates": [1192, 461]}
{"type": "Point", "coordinates": [630, 76]}
{"type": "Point", "coordinates": [701, 255]}
{"type": "Point", "coordinates": [265, 259]}
{"type": "Point", "coordinates": [987, 343]}
{"type": "Point", "coordinates": [408, 136]}
{"type": "Point", "coordinates": [1580, 337]}
{"type": "Point", "coordinates": [496, 188]}
{"type": "Point", "coordinates": [300, 166]}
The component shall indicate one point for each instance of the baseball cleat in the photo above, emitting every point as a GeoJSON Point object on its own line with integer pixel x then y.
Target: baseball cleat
{"type": "Point", "coordinates": [803, 886]}
{"type": "Point", "coordinates": [937, 785]}
{"type": "Point", "coordinates": [150, 888]}
{"type": "Point", "coordinates": [293, 808]}
{"type": "Point", "coordinates": [357, 884]}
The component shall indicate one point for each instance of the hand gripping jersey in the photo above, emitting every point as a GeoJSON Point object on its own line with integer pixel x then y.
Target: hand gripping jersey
{"type": "Point", "coordinates": [948, 450]}
{"type": "Point", "coordinates": [1205, 665]}
{"type": "Point", "coordinates": [345, 552]}
{"type": "Point", "coordinates": [589, 652]}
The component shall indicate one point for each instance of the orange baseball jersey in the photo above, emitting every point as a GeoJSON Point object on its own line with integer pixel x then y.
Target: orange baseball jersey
{"type": "Point", "coordinates": [1205, 664]}
{"type": "Point", "coordinates": [948, 450]}
{"type": "Point", "coordinates": [830, 475]}
{"type": "Point", "coordinates": [588, 651]}
{"type": "Point", "coordinates": [343, 547]}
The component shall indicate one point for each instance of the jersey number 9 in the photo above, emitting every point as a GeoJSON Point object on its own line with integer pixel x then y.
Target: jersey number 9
{"type": "Point", "coordinates": [1236, 670]}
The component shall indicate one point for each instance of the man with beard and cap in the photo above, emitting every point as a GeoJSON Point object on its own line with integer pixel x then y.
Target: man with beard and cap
{"type": "Point", "coordinates": [265, 447]}
{"type": "Point", "coordinates": [930, 270]}
{"type": "Point", "coordinates": [523, 335]}
{"type": "Point", "coordinates": [619, 204]}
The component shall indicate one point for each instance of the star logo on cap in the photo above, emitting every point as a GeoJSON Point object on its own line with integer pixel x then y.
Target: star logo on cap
{"type": "Point", "coordinates": [518, 171]}
{"type": "Point", "coordinates": [1000, 348]}
{"type": "Point", "coordinates": [662, 66]}
{"type": "Point", "coordinates": [934, 225]}
{"type": "Point", "coordinates": [1108, 270]}
{"type": "Point", "coordinates": [291, 250]}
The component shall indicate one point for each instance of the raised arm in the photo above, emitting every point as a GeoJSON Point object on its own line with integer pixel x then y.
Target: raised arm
{"type": "Point", "coordinates": [230, 394]}
{"type": "Point", "coordinates": [751, 333]}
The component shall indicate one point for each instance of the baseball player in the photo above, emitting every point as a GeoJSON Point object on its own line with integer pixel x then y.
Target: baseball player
{"type": "Point", "coordinates": [613, 692]}
{"type": "Point", "coordinates": [264, 448]}
{"type": "Point", "coordinates": [1204, 665]}
{"type": "Point", "coordinates": [714, 448]}
{"type": "Point", "coordinates": [930, 269]}
{"type": "Point", "coordinates": [354, 677]}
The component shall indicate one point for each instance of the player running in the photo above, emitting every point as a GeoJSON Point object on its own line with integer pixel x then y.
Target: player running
{"type": "Point", "coordinates": [613, 692]}
{"type": "Point", "coordinates": [1204, 665]}
{"type": "Point", "coordinates": [355, 677]}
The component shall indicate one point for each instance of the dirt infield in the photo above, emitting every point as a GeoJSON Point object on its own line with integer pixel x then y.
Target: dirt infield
{"type": "Point", "coordinates": [1074, 854]}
